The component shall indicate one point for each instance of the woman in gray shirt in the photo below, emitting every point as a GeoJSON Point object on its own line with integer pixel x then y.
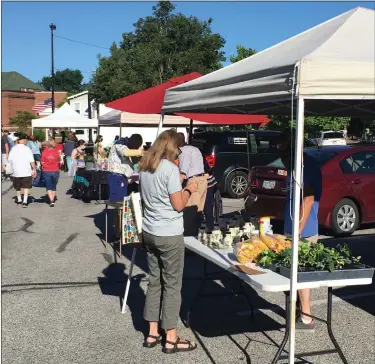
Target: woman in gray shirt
{"type": "Point", "coordinates": [164, 199]}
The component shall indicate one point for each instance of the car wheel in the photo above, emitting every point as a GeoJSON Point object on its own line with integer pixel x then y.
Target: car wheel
{"type": "Point", "coordinates": [345, 217]}
{"type": "Point", "coordinates": [237, 184]}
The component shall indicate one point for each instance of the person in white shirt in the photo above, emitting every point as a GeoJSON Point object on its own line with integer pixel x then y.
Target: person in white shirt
{"type": "Point", "coordinates": [22, 162]}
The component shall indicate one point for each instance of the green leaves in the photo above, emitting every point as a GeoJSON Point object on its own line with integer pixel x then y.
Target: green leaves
{"type": "Point", "coordinates": [312, 257]}
{"type": "Point", "coordinates": [242, 53]}
{"type": "Point", "coordinates": [66, 80]}
{"type": "Point", "coordinates": [313, 124]}
{"type": "Point", "coordinates": [22, 120]}
{"type": "Point", "coordinates": [160, 47]}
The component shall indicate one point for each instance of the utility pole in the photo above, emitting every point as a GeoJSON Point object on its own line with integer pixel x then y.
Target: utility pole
{"type": "Point", "coordinates": [52, 27]}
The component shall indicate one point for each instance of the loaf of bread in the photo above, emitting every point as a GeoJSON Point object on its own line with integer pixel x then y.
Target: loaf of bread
{"type": "Point", "coordinates": [248, 251]}
{"type": "Point", "coordinates": [272, 243]}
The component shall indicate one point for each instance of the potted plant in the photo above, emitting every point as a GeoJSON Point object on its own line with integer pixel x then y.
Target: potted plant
{"type": "Point", "coordinates": [317, 262]}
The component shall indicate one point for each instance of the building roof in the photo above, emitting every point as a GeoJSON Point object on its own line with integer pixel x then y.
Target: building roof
{"type": "Point", "coordinates": [14, 81]}
{"type": "Point", "coordinates": [78, 95]}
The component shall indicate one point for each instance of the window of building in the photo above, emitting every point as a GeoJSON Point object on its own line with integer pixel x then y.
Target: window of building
{"type": "Point", "coordinates": [77, 107]}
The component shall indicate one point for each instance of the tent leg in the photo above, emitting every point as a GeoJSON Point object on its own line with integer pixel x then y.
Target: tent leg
{"type": "Point", "coordinates": [46, 135]}
{"type": "Point", "coordinates": [190, 131]}
{"type": "Point", "coordinates": [160, 124]}
{"type": "Point", "coordinates": [296, 195]}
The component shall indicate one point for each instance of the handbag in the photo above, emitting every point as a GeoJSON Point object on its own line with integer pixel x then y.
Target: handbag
{"type": "Point", "coordinates": [132, 219]}
{"type": "Point", "coordinates": [8, 169]}
{"type": "Point", "coordinates": [38, 181]}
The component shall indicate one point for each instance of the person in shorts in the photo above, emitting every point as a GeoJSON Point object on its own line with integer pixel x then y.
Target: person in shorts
{"type": "Point", "coordinates": [22, 162]}
{"type": "Point", "coordinates": [308, 225]}
{"type": "Point", "coordinates": [51, 170]}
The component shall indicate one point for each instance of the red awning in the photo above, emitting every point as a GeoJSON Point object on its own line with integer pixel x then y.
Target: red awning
{"type": "Point", "coordinates": [150, 101]}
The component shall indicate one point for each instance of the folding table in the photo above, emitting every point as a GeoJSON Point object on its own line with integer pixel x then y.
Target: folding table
{"type": "Point", "coordinates": [274, 282]}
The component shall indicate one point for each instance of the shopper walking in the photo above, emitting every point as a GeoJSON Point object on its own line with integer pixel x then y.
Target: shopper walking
{"type": "Point", "coordinates": [78, 158]}
{"type": "Point", "coordinates": [51, 171]}
{"type": "Point", "coordinates": [22, 162]}
{"type": "Point", "coordinates": [34, 146]}
{"type": "Point", "coordinates": [5, 149]}
{"type": "Point", "coordinates": [69, 146]}
{"type": "Point", "coordinates": [164, 199]}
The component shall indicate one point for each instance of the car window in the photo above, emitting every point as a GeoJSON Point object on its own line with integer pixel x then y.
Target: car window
{"type": "Point", "coordinates": [265, 143]}
{"type": "Point", "coordinates": [277, 163]}
{"type": "Point", "coordinates": [333, 135]}
{"type": "Point", "coordinates": [361, 162]}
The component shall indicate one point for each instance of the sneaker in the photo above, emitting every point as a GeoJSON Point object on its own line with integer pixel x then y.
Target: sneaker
{"type": "Point", "coordinates": [52, 204]}
{"type": "Point", "coordinates": [24, 204]}
{"type": "Point", "coordinates": [19, 203]}
{"type": "Point", "coordinates": [302, 327]}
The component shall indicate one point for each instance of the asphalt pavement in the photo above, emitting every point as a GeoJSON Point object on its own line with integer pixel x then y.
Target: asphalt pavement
{"type": "Point", "coordinates": [61, 298]}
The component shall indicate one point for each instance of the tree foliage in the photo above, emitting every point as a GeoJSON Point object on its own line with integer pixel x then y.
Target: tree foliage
{"type": "Point", "coordinates": [22, 120]}
{"type": "Point", "coordinates": [242, 53]}
{"type": "Point", "coordinates": [66, 80]}
{"type": "Point", "coordinates": [161, 46]}
{"type": "Point", "coordinates": [313, 124]}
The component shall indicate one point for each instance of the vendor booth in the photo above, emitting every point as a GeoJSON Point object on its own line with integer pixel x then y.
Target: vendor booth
{"type": "Point", "coordinates": [328, 70]}
{"type": "Point", "coordinates": [64, 117]}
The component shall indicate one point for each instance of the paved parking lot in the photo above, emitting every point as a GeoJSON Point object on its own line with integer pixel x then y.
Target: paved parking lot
{"type": "Point", "coordinates": [61, 294]}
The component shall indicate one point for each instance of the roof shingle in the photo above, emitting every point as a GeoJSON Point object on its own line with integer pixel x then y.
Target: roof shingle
{"type": "Point", "coordinates": [13, 81]}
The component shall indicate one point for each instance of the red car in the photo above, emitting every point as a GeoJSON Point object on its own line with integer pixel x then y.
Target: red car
{"type": "Point", "coordinates": [348, 195]}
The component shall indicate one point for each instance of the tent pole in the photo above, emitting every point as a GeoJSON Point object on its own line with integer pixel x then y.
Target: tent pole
{"type": "Point", "coordinates": [46, 135]}
{"type": "Point", "coordinates": [160, 124]}
{"type": "Point", "coordinates": [296, 195]}
{"type": "Point", "coordinates": [190, 131]}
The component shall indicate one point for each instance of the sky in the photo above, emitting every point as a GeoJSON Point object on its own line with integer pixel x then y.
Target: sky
{"type": "Point", "coordinates": [26, 46]}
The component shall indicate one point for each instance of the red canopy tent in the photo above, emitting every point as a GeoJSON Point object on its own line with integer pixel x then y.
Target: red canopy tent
{"type": "Point", "coordinates": [150, 101]}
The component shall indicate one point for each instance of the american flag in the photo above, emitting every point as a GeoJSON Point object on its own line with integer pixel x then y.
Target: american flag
{"type": "Point", "coordinates": [43, 105]}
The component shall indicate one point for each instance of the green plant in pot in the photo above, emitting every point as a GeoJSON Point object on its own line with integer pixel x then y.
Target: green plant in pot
{"type": "Point", "coordinates": [315, 257]}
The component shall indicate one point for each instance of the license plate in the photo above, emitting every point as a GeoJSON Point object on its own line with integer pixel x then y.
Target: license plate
{"type": "Point", "coordinates": [269, 185]}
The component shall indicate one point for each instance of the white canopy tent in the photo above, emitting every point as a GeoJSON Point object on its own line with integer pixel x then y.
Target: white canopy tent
{"type": "Point", "coordinates": [334, 64]}
{"type": "Point", "coordinates": [65, 117]}
{"type": "Point", "coordinates": [327, 70]}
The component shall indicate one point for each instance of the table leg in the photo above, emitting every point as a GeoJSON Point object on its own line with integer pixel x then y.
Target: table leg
{"type": "Point", "coordinates": [286, 335]}
{"type": "Point", "coordinates": [106, 226]}
{"type": "Point", "coordinates": [200, 293]}
{"type": "Point", "coordinates": [329, 327]}
{"type": "Point", "coordinates": [124, 306]}
{"type": "Point", "coordinates": [121, 232]}
{"type": "Point", "coordinates": [328, 322]}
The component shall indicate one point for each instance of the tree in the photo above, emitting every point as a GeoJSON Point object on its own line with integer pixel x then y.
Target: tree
{"type": "Point", "coordinates": [160, 47]}
{"type": "Point", "coordinates": [242, 53]}
{"type": "Point", "coordinates": [22, 120]}
{"type": "Point", "coordinates": [313, 124]}
{"type": "Point", "coordinates": [66, 80]}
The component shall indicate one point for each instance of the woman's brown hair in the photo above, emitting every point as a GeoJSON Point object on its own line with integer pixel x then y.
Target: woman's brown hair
{"type": "Point", "coordinates": [165, 146]}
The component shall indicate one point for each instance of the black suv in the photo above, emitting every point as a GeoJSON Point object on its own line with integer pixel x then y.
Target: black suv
{"type": "Point", "coordinates": [231, 154]}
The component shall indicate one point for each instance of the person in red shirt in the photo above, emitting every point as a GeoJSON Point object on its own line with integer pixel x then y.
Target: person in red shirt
{"type": "Point", "coordinates": [51, 169]}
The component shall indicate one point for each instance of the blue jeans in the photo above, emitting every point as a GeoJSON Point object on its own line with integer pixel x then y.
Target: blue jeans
{"type": "Point", "coordinates": [50, 180]}
{"type": "Point", "coordinates": [68, 162]}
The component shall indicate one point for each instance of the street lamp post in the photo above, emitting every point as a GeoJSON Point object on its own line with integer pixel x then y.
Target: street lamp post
{"type": "Point", "coordinates": [52, 27]}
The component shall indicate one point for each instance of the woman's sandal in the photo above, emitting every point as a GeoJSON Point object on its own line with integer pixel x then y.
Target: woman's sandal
{"type": "Point", "coordinates": [190, 346]}
{"type": "Point", "coordinates": [152, 344]}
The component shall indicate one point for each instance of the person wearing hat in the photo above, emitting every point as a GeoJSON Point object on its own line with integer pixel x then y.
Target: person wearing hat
{"type": "Point", "coordinates": [22, 162]}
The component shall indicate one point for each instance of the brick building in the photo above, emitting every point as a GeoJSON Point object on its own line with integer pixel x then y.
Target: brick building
{"type": "Point", "coordinates": [18, 93]}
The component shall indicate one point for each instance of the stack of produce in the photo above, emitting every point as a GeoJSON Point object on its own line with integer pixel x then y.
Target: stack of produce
{"type": "Point", "coordinates": [248, 251]}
